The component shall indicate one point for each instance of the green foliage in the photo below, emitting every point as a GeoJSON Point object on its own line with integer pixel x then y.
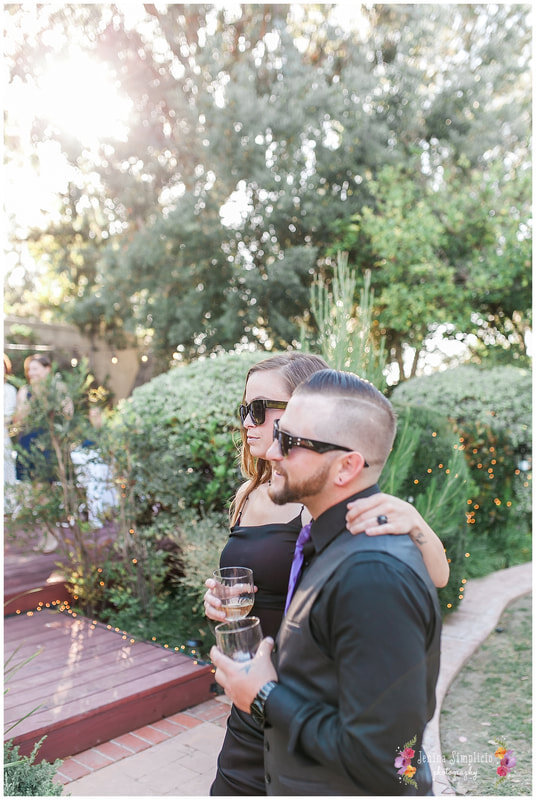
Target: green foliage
{"type": "Point", "coordinates": [404, 139]}
{"type": "Point", "coordinates": [453, 252]}
{"type": "Point", "coordinates": [202, 540]}
{"type": "Point", "coordinates": [177, 431]}
{"type": "Point", "coordinates": [490, 411]}
{"type": "Point", "coordinates": [54, 501]}
{"type": "Point", "coordinates": [346, 331]}
{"type": "Point", "coordinates": [23, 777]}
{"type": "Point", "coordinates": [427, 468]}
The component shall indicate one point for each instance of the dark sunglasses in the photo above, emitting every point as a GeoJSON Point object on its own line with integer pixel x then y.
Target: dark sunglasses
{"type": "Point", "coordinates": [257, 410]}
{"type": "Point", "coordinates": [287, 442]}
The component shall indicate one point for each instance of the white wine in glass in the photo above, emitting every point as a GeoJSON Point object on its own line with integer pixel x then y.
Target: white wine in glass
{"type": "Point", "coordinates": [235, 588]}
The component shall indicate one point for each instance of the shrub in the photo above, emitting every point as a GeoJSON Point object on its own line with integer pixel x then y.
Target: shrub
{"type": "Point", "coordinates": [427, 468]}
{"type": "Point", "coordinates": [55, 501]}
{"type": "Point", "coordinates": [23, 777]}
{"type": "Point", "coordinates": [178, 430]}
{"type": "Point", "coordinates": [490, 411]}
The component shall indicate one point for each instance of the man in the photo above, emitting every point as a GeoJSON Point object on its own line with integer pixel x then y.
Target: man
{"type": "Point", "coordinates": [352, 683]}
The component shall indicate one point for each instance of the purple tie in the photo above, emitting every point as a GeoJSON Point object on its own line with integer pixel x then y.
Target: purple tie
{"type": "Point", "coordinates": [297, 562]}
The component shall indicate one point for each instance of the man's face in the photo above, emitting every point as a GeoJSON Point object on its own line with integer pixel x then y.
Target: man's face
{"type": "Point", "coordinates": [302, 474]}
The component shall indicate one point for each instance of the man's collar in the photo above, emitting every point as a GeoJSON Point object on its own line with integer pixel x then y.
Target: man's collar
{"type": "Point", "coordinates": [333, 521]}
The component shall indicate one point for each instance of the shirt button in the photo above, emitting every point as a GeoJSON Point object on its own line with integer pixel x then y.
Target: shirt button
{"type": "Point", "coordinates": [274, 648]}
{"type": "Point", "coordinates": [266, 745]}
{"type": "Point", "coordinates": [267, 778]}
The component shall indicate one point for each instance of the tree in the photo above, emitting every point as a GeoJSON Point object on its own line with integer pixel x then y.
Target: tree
{"type": "Point", "coordinates": [452, 252]}
{"type": "Point", "coordinates": [255, 131]}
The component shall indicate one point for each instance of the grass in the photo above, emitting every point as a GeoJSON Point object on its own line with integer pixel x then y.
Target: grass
{"type": "Point", "coordinates": [490, 702]}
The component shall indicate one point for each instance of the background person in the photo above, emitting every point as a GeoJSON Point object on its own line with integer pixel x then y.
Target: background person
{"type": "Point", "coordinates": [353, 678]}
{"type": "Point", "coordinates": [10, 404]}
{"type": "Point", "coordinates": [263, 537]}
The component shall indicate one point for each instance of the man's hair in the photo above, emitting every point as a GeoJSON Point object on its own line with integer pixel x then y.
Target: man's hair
{"type": "Point", "coordinates": [362, 417]}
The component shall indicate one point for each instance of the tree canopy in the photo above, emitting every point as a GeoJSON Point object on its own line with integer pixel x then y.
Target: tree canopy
{"type": "Point", "coordinates": [262, 139]}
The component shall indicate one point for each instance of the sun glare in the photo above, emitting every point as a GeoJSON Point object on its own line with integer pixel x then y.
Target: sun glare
{"type": "Point", "coordinates": [78, 96]}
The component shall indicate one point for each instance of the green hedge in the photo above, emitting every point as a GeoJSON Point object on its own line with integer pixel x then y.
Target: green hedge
{"type": "Point", "coordinates": [490, 412]}
{"type": "Point", "coordinates": [179, 434]}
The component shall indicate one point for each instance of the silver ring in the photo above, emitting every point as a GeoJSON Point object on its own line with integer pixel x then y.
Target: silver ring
{"type": "Point", "coordinates": [382, 519]}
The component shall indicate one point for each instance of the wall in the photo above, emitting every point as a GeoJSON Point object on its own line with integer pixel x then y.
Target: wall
{"type": "Point", "coordinates": [64, 342]}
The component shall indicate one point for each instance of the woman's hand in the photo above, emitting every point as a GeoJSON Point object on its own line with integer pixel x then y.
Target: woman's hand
{"type": "Point", "coordinates": [213, 609]}
{"type": "Point", "coordinates": [213, 606]}
{"type": "Point", "coordinates": [401, 517]}
{"type": "Point", "coordinates": [383, 513]}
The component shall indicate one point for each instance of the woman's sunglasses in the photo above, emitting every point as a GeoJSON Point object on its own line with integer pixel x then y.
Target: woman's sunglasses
{"type": "Point", "coordinates": [287, 442]}
{"type": "Point", "coordinates": [257, 410]}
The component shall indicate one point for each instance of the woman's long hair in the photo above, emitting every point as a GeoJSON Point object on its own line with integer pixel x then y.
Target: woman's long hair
{"type": "Point", "coordinates": [293, 368]}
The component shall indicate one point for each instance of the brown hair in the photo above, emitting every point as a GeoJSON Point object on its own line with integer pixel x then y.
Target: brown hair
{"type": "Point", "coordinates": [293, 368]}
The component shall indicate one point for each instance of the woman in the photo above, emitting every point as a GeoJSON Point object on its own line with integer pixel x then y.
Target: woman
{"type": "Point", "coordinates": [37, 369]}
{"type": "Point", "coordinates": [267, 547]}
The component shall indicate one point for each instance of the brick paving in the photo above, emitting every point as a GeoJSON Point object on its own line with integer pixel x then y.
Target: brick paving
{"type": "Point", "coordinates": [177, 756]}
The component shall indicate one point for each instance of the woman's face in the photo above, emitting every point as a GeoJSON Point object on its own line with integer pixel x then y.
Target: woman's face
{"type": "Point", "coordinates": [37, 371]}
{"type": "Point", "coordinates": [264, 385]}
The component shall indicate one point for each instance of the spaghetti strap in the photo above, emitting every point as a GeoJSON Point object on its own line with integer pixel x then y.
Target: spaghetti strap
{"type": "Point", "coordinates": [239, 517]}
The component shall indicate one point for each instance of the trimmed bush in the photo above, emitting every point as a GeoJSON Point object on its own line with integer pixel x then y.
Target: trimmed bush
{"type": "Point", "coordinates": [180, 432]}
{"type": "Point", "coordinates": [490, 411]}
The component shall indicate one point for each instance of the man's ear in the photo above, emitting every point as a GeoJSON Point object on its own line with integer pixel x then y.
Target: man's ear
{"type": "Point", "coordinates": [349, 467]}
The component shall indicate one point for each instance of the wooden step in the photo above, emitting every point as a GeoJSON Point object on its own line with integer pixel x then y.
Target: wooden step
{"type": "Point", "coordinates": [91, 683]}
{"type": "Point", "coordinates": [31, 578]}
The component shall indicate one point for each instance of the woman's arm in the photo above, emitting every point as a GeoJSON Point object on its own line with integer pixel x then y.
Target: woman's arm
{"type": "Point", "coordinates": [402, 517]}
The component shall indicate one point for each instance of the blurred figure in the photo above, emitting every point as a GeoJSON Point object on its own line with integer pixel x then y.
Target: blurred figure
{"type": "Point", "coordinates": [93, 474]}
{"type": "Point", "coordinates": [10, 404]}
{"type": "Point", "coordinates": [36, 369]}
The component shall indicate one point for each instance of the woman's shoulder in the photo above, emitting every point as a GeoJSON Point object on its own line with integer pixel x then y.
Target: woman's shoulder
{"type": "Point", "coordinates": [242, 490]}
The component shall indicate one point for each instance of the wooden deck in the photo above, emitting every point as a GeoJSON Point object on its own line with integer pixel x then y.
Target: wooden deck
{"type": "Point", "coordinates": [91, 682]}
{"type": "Point", "coordinates": [30, 578]}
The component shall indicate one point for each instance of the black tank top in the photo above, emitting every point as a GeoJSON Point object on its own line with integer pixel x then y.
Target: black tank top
{"type": "Point", "coordinates": [268, 551]}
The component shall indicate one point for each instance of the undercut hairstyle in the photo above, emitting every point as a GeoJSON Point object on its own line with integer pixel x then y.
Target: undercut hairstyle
{"type": "Point", "coordinates": [362, 417]}
{"type": "Point", "coordinates": [293, 368]}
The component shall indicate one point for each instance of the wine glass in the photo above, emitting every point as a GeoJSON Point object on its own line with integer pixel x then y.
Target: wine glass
{"type": "Point", "coordinates": [239, 639]}
{"type": "Point", "coordinates": [235, 588]}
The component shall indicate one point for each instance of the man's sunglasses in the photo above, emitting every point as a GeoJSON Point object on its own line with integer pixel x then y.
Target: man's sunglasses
{"type": "Point", "coordinates": [287, 442]}
{"type": "Point", "coordinates": [257, 410]}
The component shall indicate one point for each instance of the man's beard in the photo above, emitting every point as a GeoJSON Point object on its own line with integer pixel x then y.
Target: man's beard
{"type": "Point", "coordinates": [299, 492]}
